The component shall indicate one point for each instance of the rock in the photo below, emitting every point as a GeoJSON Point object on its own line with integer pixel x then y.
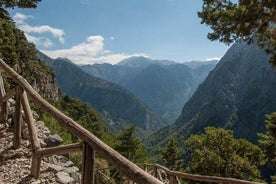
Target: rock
{"type": "Point", "coordinates": [53, 140]}
{"type": "Point", "coordinates": [74, 172]}
{"type": "Point", "coordinates": [64, 177]}
{"type": "Point", "coordinates": [69, 164]}
{"type": "Point", "coordinates": [25, 134]}
{"type": "Point", "coordinates": [55, 168]}
{"type": "Point", "coordinates": [43, 144]}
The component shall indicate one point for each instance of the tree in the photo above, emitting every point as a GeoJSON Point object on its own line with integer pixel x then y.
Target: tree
{"type": "Point", "coordinates": [217, 153]}
{"type": "Point", "coordinates": [171, 155]}
{"type": "Point", "coordinates": [249, 20]}
{"type": "Point", "coordinates": [4, 4]}
{"type": "Point", "coordinates": [268, 140]}
{"type": "Point", "coordinates": [130, 146]}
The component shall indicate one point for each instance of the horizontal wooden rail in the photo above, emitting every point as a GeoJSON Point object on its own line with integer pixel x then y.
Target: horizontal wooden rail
{"type": "Point", "coordinates": [125, 166]}
{"type": "Point", "coordinates": [10, 93]}
{"type": "Point", "coordinates": [59, 150]}
{"type": "Point", "coordinates": [195, 177]}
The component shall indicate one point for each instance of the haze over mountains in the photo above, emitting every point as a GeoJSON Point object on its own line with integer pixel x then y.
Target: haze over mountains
{"type": "Point", "coordinates": [114, 103]}
{"type": "Point", "coordinates": [162, 85]}
{"type": "Point", "coordinates": [236, 95]}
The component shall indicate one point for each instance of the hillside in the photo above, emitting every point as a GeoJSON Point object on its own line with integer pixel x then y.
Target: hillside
{"type": "Point", "coordinates": [162, 85]}
{"type": "Point", "coordinates": [113, 102]}
{"type": "Point", "coordinates": [236, 95]}
{"type": "Point", "coordinates": [18, 53]}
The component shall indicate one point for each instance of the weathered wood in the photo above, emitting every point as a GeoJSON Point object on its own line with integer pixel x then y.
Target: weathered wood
{"type": "Point", "coordinates": [173, 180]}
{"type": "Point", "coordinates": [88, 164]}
{"type": "Point", "coordinates": [35, 166]}
{"type": "Point", "coordinates": [195, 177]}
{"type": "Point", "coordinates": [12, 92]}
{"type": "Point", "coordinates": [17, 119]}
{"type": "Point", "coordinates": [58, 150]}
{"type": "Point", "coordinates": [126, 167]}
{"type": "Point", "coordinates": [30, 121]}
{"type": "Point", "coordinates": [3, 115]}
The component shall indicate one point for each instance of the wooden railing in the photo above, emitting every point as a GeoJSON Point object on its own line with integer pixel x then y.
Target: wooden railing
{"type": "Point", "coordinates": [89, 145]}
{"type": "Point", "coordinates": [173, 177]}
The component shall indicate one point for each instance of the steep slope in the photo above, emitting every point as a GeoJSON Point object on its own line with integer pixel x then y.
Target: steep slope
{"type": "Point", "coordinates": [162, 85]}
{"type": "Point", "coordinates": [18, 53]}
{"type": "Point", "coordinates": [236, 95]}
{"type": "Point", "coordinates": [112, 101]}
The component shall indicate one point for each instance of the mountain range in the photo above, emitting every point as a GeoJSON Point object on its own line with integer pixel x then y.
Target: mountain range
{"type": "Point", "coordinates": [236, 95]}
{"type": "Point", "coordinates": [162, 85]}
{"type": "Point", "coordinates": [115, 104]}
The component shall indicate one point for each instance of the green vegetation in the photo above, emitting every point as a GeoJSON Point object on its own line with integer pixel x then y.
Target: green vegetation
{"type": "Point", "coordinates": [171, 155]}
{"type": "Point", "coordinates": [268, 141]}
{"type": "Point", "coordinates": [130, 146]}
{"type": "Point", "coordinates": [16, 3]}
{"type": "Point", "coordinates": [247, 20]}
{"type": "Point", "coordinates": [217, 153]}
{"type": "Point", "coordinates": [83, 114]}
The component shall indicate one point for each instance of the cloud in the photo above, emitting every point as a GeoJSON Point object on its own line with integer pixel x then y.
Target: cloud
{"type": "Point", "coordinates": [39, 41]}
{"type": "Point", "coordinates": [32, 32]}
{"type": "Point", "coordinates": [20, 18]}
{"type": "Point", "coordinates": [57, 33]}
{"type": "Point", "coordinates": [212, 58]}
{"type": "Point", "coordinates": [89, 52]}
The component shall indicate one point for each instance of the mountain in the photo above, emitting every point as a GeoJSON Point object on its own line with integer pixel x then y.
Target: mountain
{"type": "Point", "coordinates": [196, 64]}
{"type": "Point", "coordinates": [142, 62]}
{"type": "Point", "coordinates": [162, 85]}
{"type": "Point", "coordinates": [110, 100]}
{"type": "Point", "coordinates": [236, 95]}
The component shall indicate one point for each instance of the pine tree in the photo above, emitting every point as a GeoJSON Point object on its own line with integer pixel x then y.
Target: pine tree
{"type": "Point", "coordinates": [217, 153]}
{"type": "Point", "coordinates": [130, 146]}
{"type": "Point", "coordinates": [251, 21]}
{"type": "Point", "coordinates": [171, 155]}
{"type": "Point", "coordinates": [268, 140]}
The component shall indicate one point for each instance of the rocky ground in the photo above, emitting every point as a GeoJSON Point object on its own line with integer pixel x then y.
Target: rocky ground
{"type": "Point", "coordinates": [15, 164]}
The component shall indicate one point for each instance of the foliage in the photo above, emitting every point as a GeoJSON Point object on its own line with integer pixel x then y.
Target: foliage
{"type": "Point", "coordinates": [171, 155]}
{"type": "Point", "coordinates": [21, 55]}
{"type": "Point", "coordinates": [16, 3]}
{"type": "Point", "coordinates": [246, 20]}
{"type": "Point", "coordinates": [268, 140]}
{"type": "Point", "coordinates": [216, 152]}
{"type": "Point", "coordinates": [83, 114]}
{"type": "Point", "coordinates": [130, 146]}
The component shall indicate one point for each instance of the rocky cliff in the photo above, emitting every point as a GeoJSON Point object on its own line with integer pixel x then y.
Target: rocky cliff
{"type": "Point", "coordinates": [236, 95]}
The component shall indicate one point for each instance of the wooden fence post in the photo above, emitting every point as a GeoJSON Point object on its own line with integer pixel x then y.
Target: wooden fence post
{"type": "Point", "coordinates": [88, 164]}
{"type": "Point", "coordinates": [35, 166]}
{"type": "Point", "coordinates": [17, 119]}
{"type": "Point", "coordinates": [173, 180]}
{"type": "Point", "coordinates": [3, 115]}
{"type": "Point", "coordinates": [30, 121]}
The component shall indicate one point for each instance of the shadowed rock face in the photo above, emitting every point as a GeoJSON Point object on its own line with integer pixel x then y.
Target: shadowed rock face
{"type": "Point", "coordinates": [162, 85]}
{"type": "Point", "coordinates": [236, 95]}
{"type": "Point", "coordinates": [110, 100]}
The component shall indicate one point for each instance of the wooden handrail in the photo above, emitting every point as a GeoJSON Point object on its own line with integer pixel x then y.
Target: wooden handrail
{"type": "Point", "coordinates": [196, 177]}
{"type": "Point", "coordinates": [125, 166]}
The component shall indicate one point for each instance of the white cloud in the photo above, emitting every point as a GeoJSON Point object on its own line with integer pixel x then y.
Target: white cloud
{"type": "Point", "coordinates": [89, 52]}
{"type": "Point", "coordinates": [20, 18]}
{"type": "Point", "coordinates": [57, 33]}
{"type": "Point", "coordinates": [112, 38]}
{"type": "Point", "coordinates": [31, 32]}
{"type": "Point", "coordinates": [212, 58]}
{"type": "Point", "coordinates": [39, 41]}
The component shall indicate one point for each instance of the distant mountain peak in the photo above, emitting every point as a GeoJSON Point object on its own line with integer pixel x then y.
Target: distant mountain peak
{"type": "Point", "coordinates": [141, 62]}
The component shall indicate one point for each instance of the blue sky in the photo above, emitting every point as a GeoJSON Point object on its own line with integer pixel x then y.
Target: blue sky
{"type": "Point", "coordinates": [97, 31]}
